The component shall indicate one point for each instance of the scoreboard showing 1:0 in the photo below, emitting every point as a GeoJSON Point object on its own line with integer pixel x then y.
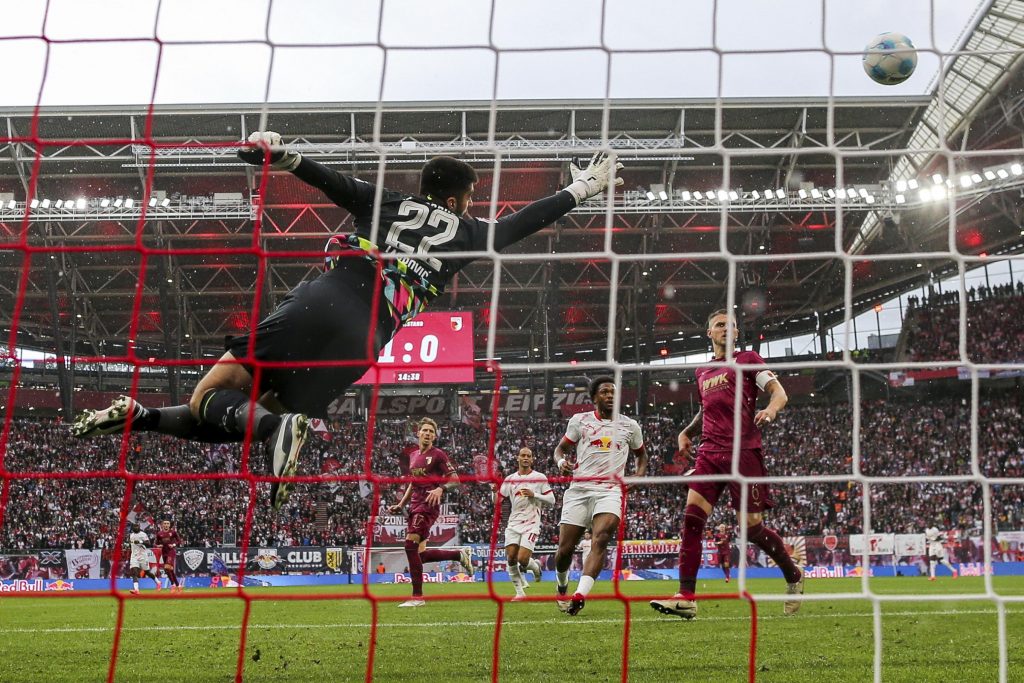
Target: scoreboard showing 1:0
{"type": "Point", "coordinates": [421, 345]}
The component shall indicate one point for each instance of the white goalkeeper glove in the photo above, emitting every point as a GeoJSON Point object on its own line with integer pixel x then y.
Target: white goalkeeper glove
{"type": "Point", "coordinates": [592, 180]}
{"type": "Point", "coordinates": [279, 160]}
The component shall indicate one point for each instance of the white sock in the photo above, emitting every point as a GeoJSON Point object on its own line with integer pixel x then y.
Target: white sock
{"type": "Point", "coordinates": [931, 570]}
{"type": "Point", "coordinates": [562, 578]}
{"type": "Point", "coordinates": [517, 578]}
{"type": "Point", "coordinates": [135, 585]}
{"type": "Point", "coordinates": [534, 565]}
{"type": "Point", "coordinates": [949, 567]}
{"type": "Point", "coordinates": [586, 583]}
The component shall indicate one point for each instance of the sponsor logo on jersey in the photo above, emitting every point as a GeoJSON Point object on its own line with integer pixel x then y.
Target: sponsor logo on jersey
{"type": "Point", "coordinates": [716, 382]}
{"type": "Point", "coordinates": [603, 443]}
{"type": "Point", "coordinates": [193, 558]}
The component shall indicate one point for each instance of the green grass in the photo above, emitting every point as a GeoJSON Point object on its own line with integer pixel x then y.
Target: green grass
{"type": "Point", "coordinates": [70, 639]}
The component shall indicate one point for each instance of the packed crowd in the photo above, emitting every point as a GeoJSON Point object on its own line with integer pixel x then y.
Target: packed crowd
{"type": "Point", "coordinates": [926, 437]}
{"type": "Point", "coordinates": [995, 326]}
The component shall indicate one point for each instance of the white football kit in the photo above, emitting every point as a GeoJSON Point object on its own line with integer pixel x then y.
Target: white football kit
{"type": "Point", "coordinates": [602, 449]}
{"type": "Point", "coordinates": [525, 517]}
{"type": "Point", "coordinates": [936, 549]}
{"type": "Point", "coordinates": [140, 553]}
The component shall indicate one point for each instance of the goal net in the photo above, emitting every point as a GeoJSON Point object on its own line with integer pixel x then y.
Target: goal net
{"type": "Point", "coordinates": [864, 238]}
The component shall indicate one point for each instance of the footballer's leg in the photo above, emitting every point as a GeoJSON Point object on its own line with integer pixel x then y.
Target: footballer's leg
{"type": "Point", "coordinates": [604, 525]}
{"type": "Point", "coordinates": [569, 536]}
{"type": "Point", "coordinates": [527, 563]}
{"type": "Point", "coordinates": [514, 573]}
{"type": "Point", "coordinates": [698, 507]}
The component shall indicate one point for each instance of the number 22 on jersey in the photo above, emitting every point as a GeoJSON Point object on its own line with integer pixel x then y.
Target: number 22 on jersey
{"type": "Point", "coordinates": [419, 215]}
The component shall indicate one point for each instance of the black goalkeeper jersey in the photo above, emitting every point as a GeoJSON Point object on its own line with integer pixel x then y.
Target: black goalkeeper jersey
{"type": "Point", "coordinates": [417, 226]}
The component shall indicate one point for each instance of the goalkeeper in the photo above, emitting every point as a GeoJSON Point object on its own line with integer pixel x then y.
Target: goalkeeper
{"type": "Point", "coordinates": [350, 311]}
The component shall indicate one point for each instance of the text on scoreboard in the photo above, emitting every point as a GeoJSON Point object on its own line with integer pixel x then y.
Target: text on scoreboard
{"type": "Point", "coordinates": [432, 348]}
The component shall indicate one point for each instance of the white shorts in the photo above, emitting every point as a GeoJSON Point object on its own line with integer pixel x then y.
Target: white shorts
{"type": "Point", "coordinates": [524, 538]}
{"type": "Point", "coordinates": [579, 506]}
{"type": "Point", "coordinates": [937, 552]}
{"type": "Point", "coordinates": [138, 562]}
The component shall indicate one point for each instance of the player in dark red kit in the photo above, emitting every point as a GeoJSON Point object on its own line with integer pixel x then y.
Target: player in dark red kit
{"type": "Point", "coordinates": [723, 542]}
{"type": "Point", "coordinates": [349, 312]}
{"type": "Point", "coordinates": [168, 540]}
{"type": "Point", "coordinates": [715, 423]}
{"type": "Point", "coordinates": [424, 498]}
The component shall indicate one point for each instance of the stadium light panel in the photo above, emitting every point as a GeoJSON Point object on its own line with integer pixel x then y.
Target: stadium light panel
{"type": "Point", "coordinates": [912, 184]}
{"type": "Point", "coordinates": [104, 203]}
{"type": "Point", "coordinates": [863, 193]}
{"type": "Point", "coordinates": [733, 195]}
{"type": "Point", "coordinates": [869, 199]}
{"type": "Point", "coordinates": [650, 198]}
{"type": "Point", "coordinates": [11, 204]}
{"type": "Point", "coordinates": [685, 194]}
{"type": "Point", "coordinates": [851, 193]}
{"type": "Point", "coordinates": [34, 203]}
{"type": "Point", "coordinates": [802, 193]}
{"type": "Point", "coordinates": [722, 195]}
{"type": "Point", "coordinates": [926, 195]}
{"type": "Point", "coordinates": [900, 199]}
{"type": "Point", "coordinates": [59, 204]}
{"type": "Point", "coordinates": [780, 194]}
{"type": "Point", "coordinates": [80, 203]}
{"type": "Point", "coordinates": [937, 178]}
{"type": "Point", "coordinates": [152, 201]}
{"type": "Point", "coordinates": [976, 177]}
{"type": "Point", "coordinates": [167, 202]}
{"type": "Point", "coordinates": [831, 193]}
{"type": "Point", "coordinates": [662, 195]}
{"type": "Point", "coordinates": [965, 180]}
{"type": "Point", "coordinates": [1003, 173]}
{"type": "Point", "coordinates": [698, 195]}
{"type": "Point", "coordinates": [989, 175]}
{"type": "Point", "coordinates": [69, 203]}
{"type": "Point", "coordinates": [1016, 169]}
{"type": "Point", "coordinates": [901, 185]}
{"type": "Point", "coordinates": [755, 194]}
{"type": "Point", "coordinates": [129, 203]}
{"type": "Point", "coordinates": [815, 193]}
{"type": "Point", "coordinates": [46, 203]}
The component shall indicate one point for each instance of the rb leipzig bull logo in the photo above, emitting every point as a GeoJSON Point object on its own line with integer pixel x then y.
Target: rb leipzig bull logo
{"type": "Point", "coordinates": [603, 443]}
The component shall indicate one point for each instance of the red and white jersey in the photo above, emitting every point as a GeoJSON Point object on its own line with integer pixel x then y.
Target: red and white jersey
{"type": "Point", "coordinates": [602, 448]}
{"type": "Point", "coordinates": [526, 513]}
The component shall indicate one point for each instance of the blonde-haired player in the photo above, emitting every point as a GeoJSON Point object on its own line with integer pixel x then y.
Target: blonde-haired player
{"type": "Point", "coordinates": [528, 491]}
{"type": "Point", "coordinates": [936, 552]}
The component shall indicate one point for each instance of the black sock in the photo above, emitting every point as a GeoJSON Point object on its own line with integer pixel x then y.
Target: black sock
{"type": "Point", "coordinates": [229, 410]}
{"type": "Point", "coordinates": [178, 421]}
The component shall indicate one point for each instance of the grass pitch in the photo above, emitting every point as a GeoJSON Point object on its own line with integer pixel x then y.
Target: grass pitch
{"type": "Point", "coordinates": [196, 638]}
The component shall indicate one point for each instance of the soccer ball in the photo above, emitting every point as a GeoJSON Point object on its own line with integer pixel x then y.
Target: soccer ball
{"type": "Point", "coordinates": [890, 58]}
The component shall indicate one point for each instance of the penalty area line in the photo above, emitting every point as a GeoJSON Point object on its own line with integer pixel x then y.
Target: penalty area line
{"type": "Point", "coordinates": [482, 623]}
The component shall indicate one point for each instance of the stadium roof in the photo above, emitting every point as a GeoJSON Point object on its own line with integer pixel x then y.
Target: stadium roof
{"type": "Point", "coordinates": [671, 265]}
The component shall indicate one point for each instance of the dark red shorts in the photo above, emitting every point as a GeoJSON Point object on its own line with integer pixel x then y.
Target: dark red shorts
{"type": "Point", "coordinates": [168, 557]}
{"type": "Point", "coordinates": [751, 464]}
{"type": "Point", "coordinates": [421, 520]}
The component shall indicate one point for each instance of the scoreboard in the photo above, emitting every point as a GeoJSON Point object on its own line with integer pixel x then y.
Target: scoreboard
{"type": "Point", "coordinates": [432, 348]}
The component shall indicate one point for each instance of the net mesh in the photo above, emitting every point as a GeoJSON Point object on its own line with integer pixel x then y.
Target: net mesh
{"type": "Point", "coordinates": [843, 250]}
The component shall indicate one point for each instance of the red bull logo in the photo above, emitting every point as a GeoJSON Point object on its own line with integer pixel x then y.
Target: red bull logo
{"type": "Point", "coordinates": [21, 585]}
{"type": "Point", "coordinates": [60, 585]}
{"type": "Point", "coordinates": [461, 577]}
{"type": "Point", "coordinates": [603, 443]}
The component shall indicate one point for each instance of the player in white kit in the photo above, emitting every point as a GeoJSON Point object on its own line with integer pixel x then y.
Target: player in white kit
{"type": "Point", "coordinates": [138, 563]}
{"type": "Point", "coordinates": [602, 443]}
{"type": "Point", "coordinates": [936, 552]}
{"type": "Point", "coordinates": [528, 491]}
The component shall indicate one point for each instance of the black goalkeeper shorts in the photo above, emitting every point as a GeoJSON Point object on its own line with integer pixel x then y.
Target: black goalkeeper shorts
{"type": "Point", "coordinates": [326, 319]}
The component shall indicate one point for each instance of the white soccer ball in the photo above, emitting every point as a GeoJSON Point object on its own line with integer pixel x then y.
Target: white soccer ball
{"type": "Point", "coordinates": [890, 58]}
